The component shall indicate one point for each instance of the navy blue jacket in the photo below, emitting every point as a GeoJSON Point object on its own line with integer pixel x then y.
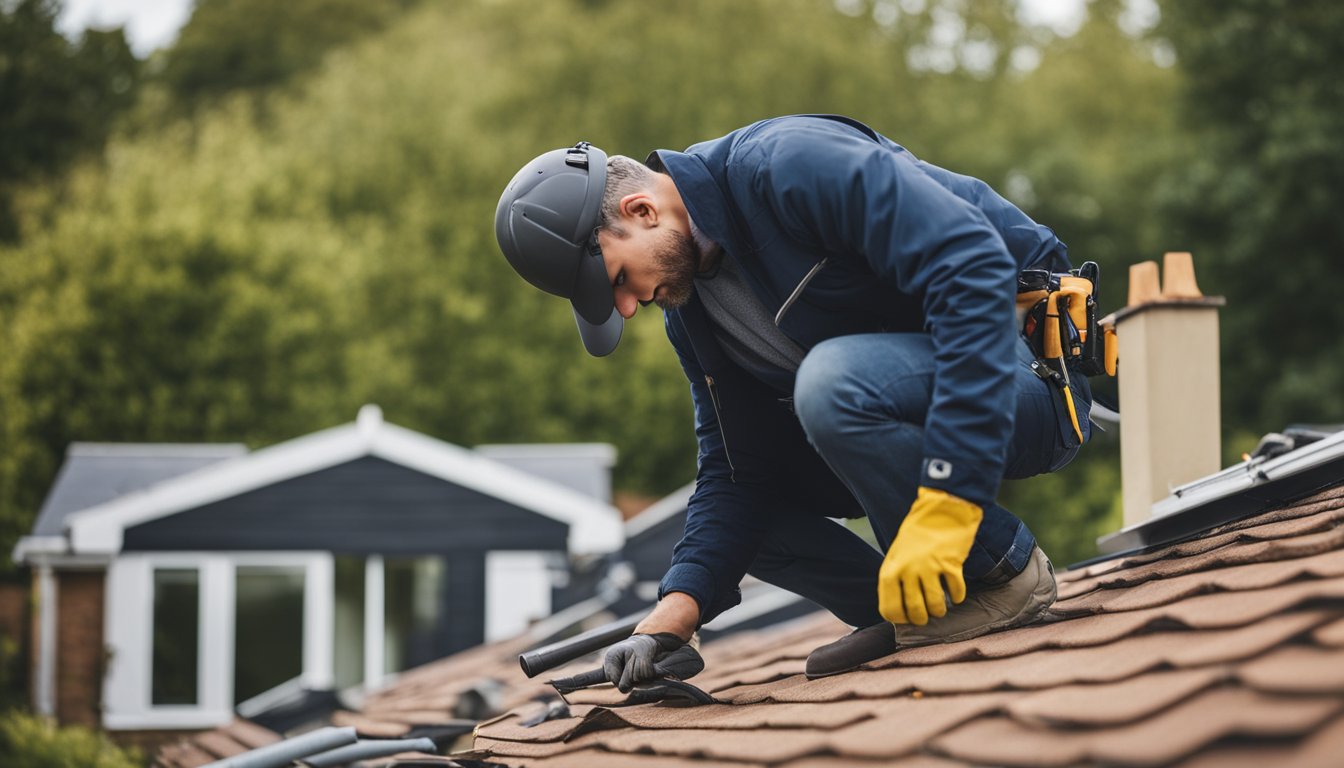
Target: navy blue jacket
{"type": "Point", "coordinates": [839, 231]}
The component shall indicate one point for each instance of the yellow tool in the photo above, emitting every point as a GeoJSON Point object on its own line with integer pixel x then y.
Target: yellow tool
{"type": "Point", "coordinates": [1060, 323]}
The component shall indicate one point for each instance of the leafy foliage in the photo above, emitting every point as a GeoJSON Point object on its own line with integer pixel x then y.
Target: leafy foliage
{"type": "Point", "coordinates": [1264, 101]}
{"type": "Point", "coordinates": [230, 45]}
{"type": "Point", "coordinates": [28, 741]}
{"type": "Point", "coordinates": [57, 99]}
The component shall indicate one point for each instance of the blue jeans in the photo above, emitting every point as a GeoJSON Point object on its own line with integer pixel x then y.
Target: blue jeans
{"type": "Point", "coordinates": [863, 400]}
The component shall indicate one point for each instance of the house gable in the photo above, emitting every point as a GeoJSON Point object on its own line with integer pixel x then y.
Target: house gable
{"type": "Point", "coordinates": [365, 505]}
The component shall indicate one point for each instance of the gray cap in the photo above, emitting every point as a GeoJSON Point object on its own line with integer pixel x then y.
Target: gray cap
{"type": "Point", "coordinates": [546, 225]}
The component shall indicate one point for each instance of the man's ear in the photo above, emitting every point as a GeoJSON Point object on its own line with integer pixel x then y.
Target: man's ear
{"type": "Point", "coordinates": [641, 208]}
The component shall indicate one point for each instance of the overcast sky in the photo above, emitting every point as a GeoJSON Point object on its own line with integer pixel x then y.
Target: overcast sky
{"type": "Point", "coordinates": [153, 24]}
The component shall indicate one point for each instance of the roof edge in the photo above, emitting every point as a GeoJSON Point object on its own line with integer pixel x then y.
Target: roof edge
{"type": "Point", "coordinates": [660, 510]}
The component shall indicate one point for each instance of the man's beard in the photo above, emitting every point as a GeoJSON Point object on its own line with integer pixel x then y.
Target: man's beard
{"type": "Point", "coordinates": [677, 258]}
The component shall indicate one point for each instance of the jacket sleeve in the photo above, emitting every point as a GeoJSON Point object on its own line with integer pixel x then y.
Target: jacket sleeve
{"type": "Point", "coordinates": [726, 517]}
{"type": "Point", "coordinates": [853, 197]}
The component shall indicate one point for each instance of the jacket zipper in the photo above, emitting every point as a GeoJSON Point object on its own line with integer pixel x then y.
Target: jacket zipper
{"type": "Point", "coordinates": [811, 273]}
{"type": "Point", "coordinates": [714, 399]}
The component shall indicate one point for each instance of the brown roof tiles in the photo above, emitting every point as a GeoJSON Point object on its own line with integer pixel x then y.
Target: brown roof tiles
{"type": "Point", "coordinates": [1230, 645]}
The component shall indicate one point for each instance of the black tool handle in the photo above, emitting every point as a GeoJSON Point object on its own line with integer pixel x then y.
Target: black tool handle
{"type": "Point", "coordinates": [536, 661]}
{"type": "Point", "coordinates": [587, 679]}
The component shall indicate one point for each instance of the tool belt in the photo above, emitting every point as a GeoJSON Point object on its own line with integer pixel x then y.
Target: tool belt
{"type": "Point", "coordinates": [1059, 321]}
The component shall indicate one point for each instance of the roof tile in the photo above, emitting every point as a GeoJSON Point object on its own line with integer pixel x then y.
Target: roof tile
{"type": "Point", "coordinates": [1331, 635]}
{"type": "Point", "coordinates": [730, 717]}
{"type": "Point", "coordinates": [1309, 536]}
{"type": "Point", "coordinates": [1295, 669]}
{"type": "Point", "coordinates": [1213, 578]}
{"type": "Point", "coordinates": [1117, 703]}
{"type": "Point", "coordinates": [1158, 740]}
{"type": "Point", "coordinates": [1322, 748]}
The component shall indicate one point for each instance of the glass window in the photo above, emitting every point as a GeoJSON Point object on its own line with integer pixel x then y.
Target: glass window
{"type": "Point", "coordinates": [349, 620]}
{"type": "Point", "coordinates": [176, 642]}
{"type": "Point", "coordinates": [413, 595]}
{"type": "Point", "coordinates": [268, 628]}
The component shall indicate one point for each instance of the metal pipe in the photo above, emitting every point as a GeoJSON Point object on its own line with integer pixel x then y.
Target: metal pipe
{"type": "Point", "coordinates": [285, 752]}
{"type": "Point", "coordinates": [549, 656]}
{"type": "Point", "coordinates": [368, 750]}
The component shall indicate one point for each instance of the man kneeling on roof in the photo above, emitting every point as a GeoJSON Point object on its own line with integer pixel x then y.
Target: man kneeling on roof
{"type": "Point", "coordinates": [844, 313]}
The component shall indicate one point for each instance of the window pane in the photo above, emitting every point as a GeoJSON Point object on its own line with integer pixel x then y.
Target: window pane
{"type": "Point", "coordinates": [176, 642]}
{"type": "Point", "coordinates": [268, 628]}
{"type": "Point", "coordinates": [349, 650]}
{"type": "Point", "coordinates": [413, 599]}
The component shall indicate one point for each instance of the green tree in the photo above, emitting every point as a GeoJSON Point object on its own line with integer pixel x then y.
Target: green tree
{"type": "Point", "coordinates": [229, 45]}
{"type": "Point", "coordinates": [1258, 204]}
{"type": "Point", "coordinates": [240, 278]}
{"type": "Point", "coordinates": [58, 99]}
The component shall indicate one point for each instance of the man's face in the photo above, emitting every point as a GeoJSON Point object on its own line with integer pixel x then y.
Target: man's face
{"type": "Point", "coordinates": [650, 265]}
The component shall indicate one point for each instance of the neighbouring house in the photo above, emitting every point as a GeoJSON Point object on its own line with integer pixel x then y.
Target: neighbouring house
{"type": "Point", "coordinates": [176, 582]}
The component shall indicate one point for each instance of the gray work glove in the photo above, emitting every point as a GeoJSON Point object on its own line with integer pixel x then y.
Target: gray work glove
{"type": "Point", "coordinates": [640, 658]}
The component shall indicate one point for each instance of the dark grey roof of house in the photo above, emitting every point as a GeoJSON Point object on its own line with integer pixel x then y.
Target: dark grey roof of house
{"type": "Point", "coordinates": [94, 473]}
{"type": "Point", "coordinates": [583, 467]}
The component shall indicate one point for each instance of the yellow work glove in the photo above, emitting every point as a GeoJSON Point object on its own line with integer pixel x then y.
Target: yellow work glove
{"type": "Point", "coordinates": [932, 544]}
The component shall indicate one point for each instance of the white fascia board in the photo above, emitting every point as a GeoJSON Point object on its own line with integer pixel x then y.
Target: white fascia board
{"type": "Point", "coordinates": [594, 527]}
{"type": "Point", "coordinates": [660, 510]}
{"type": "Point", "coordinates": [1239, 478]}
{"type": "Point", "coordinates": [99, 529]}
{"type": "Point", "coordinates": [32, 546]}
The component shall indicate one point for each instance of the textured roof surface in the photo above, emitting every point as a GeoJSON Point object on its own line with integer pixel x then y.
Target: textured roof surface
{"type": "Point", "coordinates": [233, 739]}
{"type": "Point", "coordinates": [1222, 651]}
{"type": "Point", "coordinates": [1226, 650]}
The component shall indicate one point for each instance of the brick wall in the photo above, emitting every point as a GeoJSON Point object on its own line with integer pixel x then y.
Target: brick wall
{"type": "Point", "coordinates": [14, 628]}
{"type": "Point", "coordinates": [79, 647]}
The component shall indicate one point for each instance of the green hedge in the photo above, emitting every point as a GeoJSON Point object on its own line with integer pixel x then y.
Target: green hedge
{"type": "Point", "coordinates": [28, 741]}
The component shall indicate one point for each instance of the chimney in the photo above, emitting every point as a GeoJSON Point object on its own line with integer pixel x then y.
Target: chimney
{"type": "Point", "coordinates": [1170, 432]}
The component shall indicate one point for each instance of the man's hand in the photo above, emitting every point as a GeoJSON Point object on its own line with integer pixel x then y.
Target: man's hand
{"type": "Point", "coordinates": [929, 549]}
{"type": "Point", "coordinates": [640, 658]}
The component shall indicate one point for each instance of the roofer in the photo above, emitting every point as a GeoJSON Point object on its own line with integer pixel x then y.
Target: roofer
{"type": "Point", "coordinates": [845, 315]}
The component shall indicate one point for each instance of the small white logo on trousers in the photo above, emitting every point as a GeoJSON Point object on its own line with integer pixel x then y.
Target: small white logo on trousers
{"type": "Point", "coordinates": [940, 469]}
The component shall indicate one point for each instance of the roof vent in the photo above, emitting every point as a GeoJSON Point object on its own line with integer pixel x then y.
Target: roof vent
{"type": "Point", "coordinates": [370, 419]}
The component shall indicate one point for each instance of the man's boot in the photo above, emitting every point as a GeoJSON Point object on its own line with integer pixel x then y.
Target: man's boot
{"type": "Point", "coordinates": [856, 648]}
{"type": "Point", "coordinates": [1018, 601]}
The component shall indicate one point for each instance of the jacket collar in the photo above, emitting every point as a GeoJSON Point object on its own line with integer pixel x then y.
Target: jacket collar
{"type": "Point", "coordinates": [702, 196]}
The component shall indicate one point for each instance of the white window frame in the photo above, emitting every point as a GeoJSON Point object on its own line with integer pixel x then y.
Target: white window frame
{"type": "Point", "coordinates": [517, 591]}
{"type": "Point", "coordinates": [128, 629]}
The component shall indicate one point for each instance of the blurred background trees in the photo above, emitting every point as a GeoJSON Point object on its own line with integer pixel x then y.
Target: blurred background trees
{"type": "Point", "coordinates": [292, 214]}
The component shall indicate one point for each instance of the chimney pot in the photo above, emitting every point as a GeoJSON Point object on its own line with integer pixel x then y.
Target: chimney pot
{"type": "Point", "coordinates": [1178, 277]}
{"type": "Point", "coordinates": [1143, 285]}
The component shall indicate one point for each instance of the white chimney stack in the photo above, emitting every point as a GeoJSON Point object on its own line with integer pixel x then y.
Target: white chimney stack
{"type": "Point", "coordinates": [1170, 429]}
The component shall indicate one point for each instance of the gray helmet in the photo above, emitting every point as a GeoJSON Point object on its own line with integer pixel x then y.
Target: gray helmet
{"type": "Point", "coordinates": [546, 225]}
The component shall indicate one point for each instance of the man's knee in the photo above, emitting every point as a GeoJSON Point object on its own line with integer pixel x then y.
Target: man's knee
{"type": "Point", "coordinates": [850, 379]}
{"type": "Point", "coordinates": [822, 390]}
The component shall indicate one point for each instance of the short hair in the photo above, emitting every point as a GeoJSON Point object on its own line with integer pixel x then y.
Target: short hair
{"type": "Point", "coordinates": [624, 176]}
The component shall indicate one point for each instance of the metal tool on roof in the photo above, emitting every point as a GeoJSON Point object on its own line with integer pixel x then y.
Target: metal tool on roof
{"type": "Point", "coordinates": [285, 752]}
{"type": "Point", "coordinates": [1060, 323]}
{"type": "Point", "coordinates": [538, 660]}
{"type": "Point", "coordinates": [666, 688]}
{"type": "Point", "coordinates": [670, 686]}
{"type": "Point", "coordinates": [368, 749]}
